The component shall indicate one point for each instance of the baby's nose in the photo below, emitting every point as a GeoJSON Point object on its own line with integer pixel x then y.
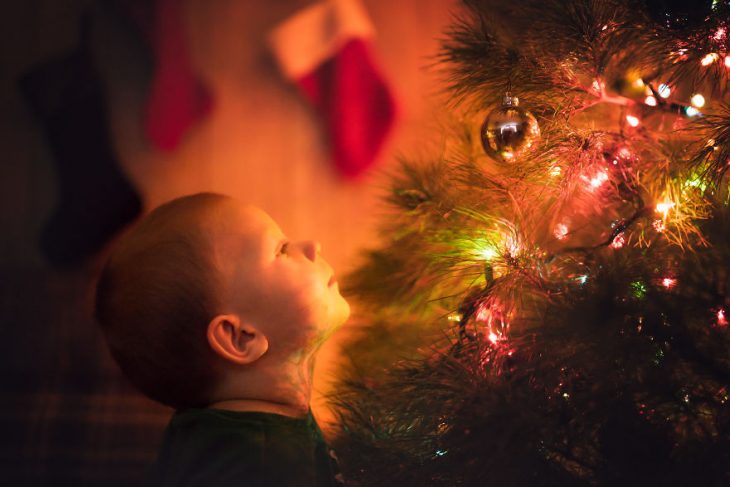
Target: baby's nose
{"type": "Point", "coordinates": [311, 248]}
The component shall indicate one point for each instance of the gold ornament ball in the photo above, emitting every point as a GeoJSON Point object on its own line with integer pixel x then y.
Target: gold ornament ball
{"type": "Point", "coordinates": [509, 131]}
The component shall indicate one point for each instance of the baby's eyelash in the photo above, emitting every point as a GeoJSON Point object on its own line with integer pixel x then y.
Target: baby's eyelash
{"type": "Point", "coordinates": [283, 248]}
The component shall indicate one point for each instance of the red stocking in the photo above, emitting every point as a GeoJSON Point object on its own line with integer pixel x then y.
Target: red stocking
{"type": "Point", "coordinates": [178, 98]}
{"type": "Point", "coordinates": [324, 50]}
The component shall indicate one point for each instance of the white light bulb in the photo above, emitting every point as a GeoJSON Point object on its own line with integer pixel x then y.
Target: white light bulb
{"type": "Point", "coordinates": [669, 282]}
{"type": "Point", "coordinates": [709, 59]}
{"type": "Point", "coordinates": [561, 231]}
{"type": "Point", "coordinates": [664, 90]}
{"type": "Point", "coordinates": [664, 207]}
{"type": "Point", "coordinates": [697, 100]}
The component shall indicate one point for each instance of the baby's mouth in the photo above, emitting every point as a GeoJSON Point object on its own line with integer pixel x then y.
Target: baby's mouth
{"type": "Point", "coordinates": [331, 281]}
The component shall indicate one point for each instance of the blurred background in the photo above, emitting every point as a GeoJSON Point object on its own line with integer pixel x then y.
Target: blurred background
{"type": "Point", "coordinates": [79, 165]}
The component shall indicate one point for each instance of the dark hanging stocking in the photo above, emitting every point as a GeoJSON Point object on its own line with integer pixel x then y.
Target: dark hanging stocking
{"type": "Point", "coordinates": [95, 198]}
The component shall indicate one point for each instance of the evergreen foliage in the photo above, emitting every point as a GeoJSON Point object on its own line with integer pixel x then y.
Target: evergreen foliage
{"type": "Point", "coordinates": [571, 307]}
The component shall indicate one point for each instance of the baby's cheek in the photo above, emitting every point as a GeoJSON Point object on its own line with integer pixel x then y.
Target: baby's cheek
{"type": "Point", "coordinates": [314, 303]}
{"type": "Point", "coordinates": [302, 300]}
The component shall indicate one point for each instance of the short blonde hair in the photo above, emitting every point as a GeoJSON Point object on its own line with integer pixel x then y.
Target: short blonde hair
{"type": "Point", "coordinates": [155, 297]}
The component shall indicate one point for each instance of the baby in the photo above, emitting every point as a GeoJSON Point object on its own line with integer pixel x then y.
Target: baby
{"type": "Point", "coordinates": [209, 308]}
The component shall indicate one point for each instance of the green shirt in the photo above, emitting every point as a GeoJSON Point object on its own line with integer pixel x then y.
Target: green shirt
{"type": "Point", "coordinates": [213, 447]}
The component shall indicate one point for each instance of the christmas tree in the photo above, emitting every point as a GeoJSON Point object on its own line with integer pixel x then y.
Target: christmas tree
{"type": "Point", "coordinates": [550, 306]}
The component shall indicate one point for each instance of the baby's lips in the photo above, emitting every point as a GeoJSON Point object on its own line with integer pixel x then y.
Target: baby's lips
{"type": "Point", "coordinates": [331, 281]}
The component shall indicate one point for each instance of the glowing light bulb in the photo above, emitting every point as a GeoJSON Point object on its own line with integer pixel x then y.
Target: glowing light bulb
{"type": "Point", "coordinates": [664, 207]}
{"type": "Point", "coordinates": [582, 279]}
{"type": "Point", "coordinates": [727, 61]}
{"type": "Point", "coordinates": [691, 111]}
{"type": "Point", "coordinates": [721, 319]}
{"type": "Point", "coordinates": [669, 282]}
{"type": "Point", "coordinates": [639, 83]}
{"type": "Point", "coordinates": [697, 100]}
{"type": "Point", "coordinates": [488, 253]}
{"type": "Point", "coordinates": [597, 180]}
{"type": "Point", "coordinates": [638, 289]}
{"type": "Point", "coordinates": [719, 34]}
{"type": "Point", "coordinates": [493, 337]}
{"type": "Point", "coordinates": [512, 245]}
{"type": "Point", "coordinates": [650, 100]}
{"type": "Point", "coordinates": [454, 317]}
{"type": "Point", "coordinates": [555, 171]}
{"type": "Point", "coordinates": [709, 59]}
{"type": "Point", "coordinates": [664, 90]}
{"type": "Point", "coordinates": [561, 231]}
{"type": "Point", "coordinates": [659, 225]}
{"type": "Point", "coordinates": [618, 241]}
{"type": "Point", "coordinates": [632, 120]}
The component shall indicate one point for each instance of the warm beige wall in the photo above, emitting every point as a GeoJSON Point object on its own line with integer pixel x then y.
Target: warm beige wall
{"type": "Point", "coordinates": [262, 143]}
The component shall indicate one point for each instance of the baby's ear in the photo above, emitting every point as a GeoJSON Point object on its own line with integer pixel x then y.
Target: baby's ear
{"type": "Point", "coordinates": [236, 340]}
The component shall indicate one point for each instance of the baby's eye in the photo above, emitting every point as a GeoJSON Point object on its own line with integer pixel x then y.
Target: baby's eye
{"type": "Point", "coordinates": [283, 249]}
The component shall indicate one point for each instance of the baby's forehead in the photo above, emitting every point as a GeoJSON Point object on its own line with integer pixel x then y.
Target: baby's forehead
{"type": "Point", "coordinates": [247, 225]}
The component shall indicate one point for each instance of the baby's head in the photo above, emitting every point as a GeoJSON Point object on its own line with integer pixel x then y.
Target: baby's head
{"type": "Point", "coordinates": [205, 287]}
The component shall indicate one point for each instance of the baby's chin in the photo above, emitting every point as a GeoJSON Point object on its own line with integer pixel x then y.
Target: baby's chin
{"type": "Point", "coordinates": [338, 316]}
{"type": "Point", "coordinates": [345, 311]}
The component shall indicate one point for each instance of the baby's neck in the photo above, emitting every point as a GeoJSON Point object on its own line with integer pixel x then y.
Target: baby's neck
{"type": "Point", "coordinates": [283, 388]}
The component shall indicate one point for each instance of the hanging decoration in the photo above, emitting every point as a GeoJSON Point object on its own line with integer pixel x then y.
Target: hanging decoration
{"type": "Point", "coordinates": [509, 131]}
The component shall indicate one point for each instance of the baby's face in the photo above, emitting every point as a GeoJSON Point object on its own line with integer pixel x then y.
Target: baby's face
{"type": "Point", "coordinates": [284, 287]}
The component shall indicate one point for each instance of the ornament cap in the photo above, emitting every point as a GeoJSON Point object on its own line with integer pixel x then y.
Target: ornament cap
{"type": "Point", "coordinates": [510, 101]}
